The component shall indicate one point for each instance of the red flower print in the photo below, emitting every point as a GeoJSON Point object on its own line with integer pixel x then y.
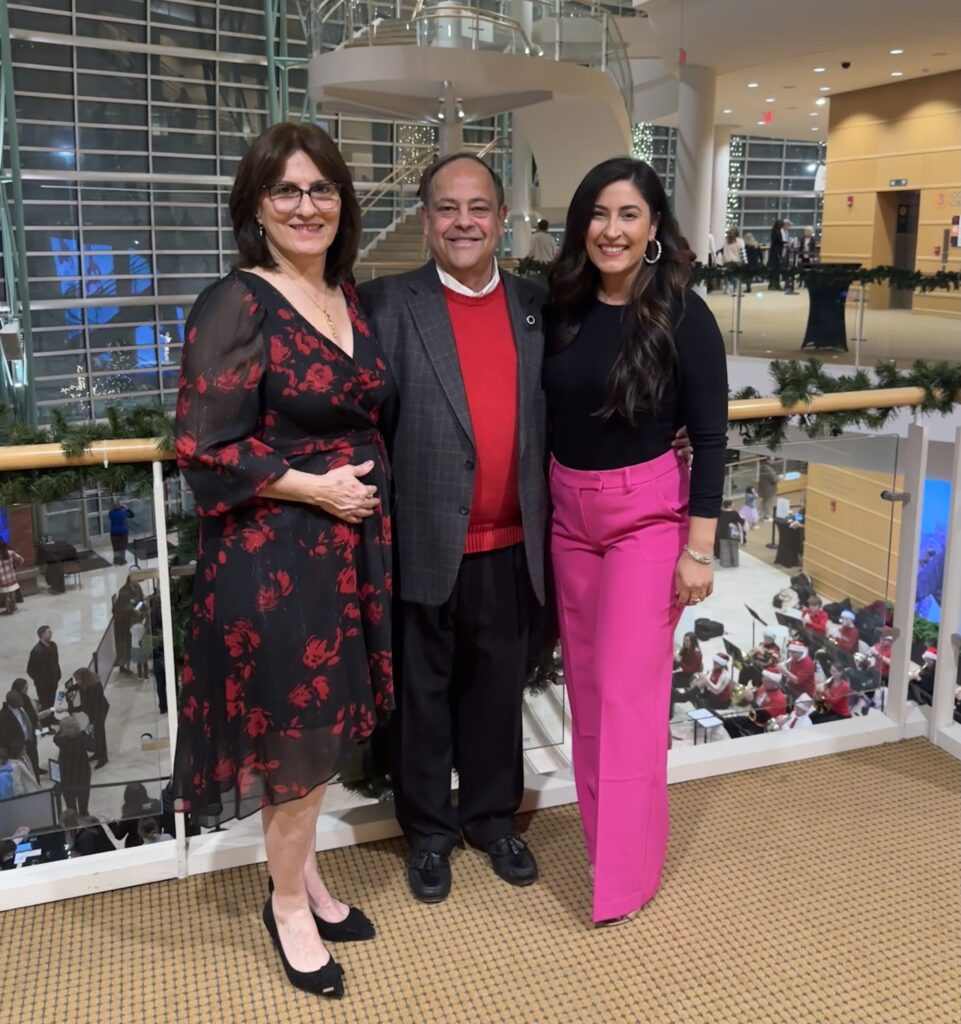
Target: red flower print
{"type": "Point", "coordinates": [317, 653]}
{"type": "Point", "coordinates": [223, 770]}
{"type": "Point", "coordinates": [306, 343]}
{"type": "Point", "coordinates": [351, 611]}
{"type": "Point", "coordinates": [344, 535]}
{"type": "Point", "coordinates": [186, 446]}
{"type": "Point", "coordinates": [189, 709]}
{"type": "Point", "coordinates": [321, 687]}
{"type": "Point", "coordinates": [318, 378]}
{"type": "Point", "coordinates": [230, 456]}
{"type": "Point", "coordinates": [257, 723]}
{"type": "Point", "coordinates": [209, 607]}
{"type": "Point", "coordinates": [279, 353]}
{"type": "Point", "coordinates": [375, 613]}
{"type": "Point", "coordinates": [267, 599]}
{"type": "Point", "coordinates": [241, 638]}
{"type": "Point", "coordinates": [299, 696]}
{"type": "Point", "coordinates": [253, 540]}
{"type": "Point", "coordinates": [338, 726]}
{"type": "Point", "coordinates": [235, 693]}
{"type": "Point", "coordinates": [282, 579]}
{"type": "Point", "coordinates": [187, 676]}
{"type": "Point", "coordinates": [293, 731]}
{"type": "Point", "coordinates": [285, 314]}
{"type": "Point", "coordinates": [228, 380]}
{"type": "Point", "coordinates": [347, 580]}
{"type": "Point", "coordinates": [201, 384]}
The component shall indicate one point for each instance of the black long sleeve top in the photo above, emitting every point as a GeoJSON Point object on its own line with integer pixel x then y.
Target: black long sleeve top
{"type": "Point", "coordinates": [576, 386]}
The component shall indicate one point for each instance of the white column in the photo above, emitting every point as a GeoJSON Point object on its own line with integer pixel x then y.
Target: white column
{"type": "Point", "coordinates": [451, 134]}
{"type": "Point", "coordinates": [519, 200]}
{"type": "Point", "coordinates": [722, 171]}
{"type": "Point", "coordinates": [912, 463]}
{"type": "Point", "coordinates": [946, 674]}
{"type": "Point", "coordinates": [695, 155]}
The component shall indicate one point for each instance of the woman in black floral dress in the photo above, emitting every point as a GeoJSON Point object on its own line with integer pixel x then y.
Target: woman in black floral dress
{"type": "Point", "coordinates": [283, 394]}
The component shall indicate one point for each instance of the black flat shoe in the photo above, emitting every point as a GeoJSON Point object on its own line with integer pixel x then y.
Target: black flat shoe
{"type": "Point", "coordinates": [512, 860]}
{"type": "Point", "coordinates": [355, 927]}
{"type": "Point", "coordinates": [428, 875]}
{"type": "Point", "coordinates": [327, 982]}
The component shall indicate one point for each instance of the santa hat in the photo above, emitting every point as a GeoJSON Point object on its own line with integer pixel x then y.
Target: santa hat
{"type": "Point", "coordinates": [848, 615]}
{"type": "Point", "coordinates": [796, 648]}
{"type": "Point", "coordinates": [804, 702]}
{"type": "Point", "coordinates": [771, 675]}
{"type": "Point", "coordinates": [931, 654]}
{"type": "Point", "coordinates": [770, 633]}
{"type": "Point", "coordinates": [722, 659]}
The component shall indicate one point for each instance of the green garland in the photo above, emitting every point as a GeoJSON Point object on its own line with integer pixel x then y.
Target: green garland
{"type": "Point", "coordinates": [45, 485]}
{"type": "Point", "coordinates": [798, 381]}
{"type": "Point", "coordinates": [818, 274]}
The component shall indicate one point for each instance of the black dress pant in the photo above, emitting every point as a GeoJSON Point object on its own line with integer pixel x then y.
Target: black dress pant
{"type": "Point", "coordinates": [459, 705]}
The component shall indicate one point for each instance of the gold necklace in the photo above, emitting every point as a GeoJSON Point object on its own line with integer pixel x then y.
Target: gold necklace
{"type": "Point", "coordinates": [322, 308]}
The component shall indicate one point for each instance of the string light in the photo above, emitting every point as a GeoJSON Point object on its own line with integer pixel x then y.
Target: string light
{"type": "Point", "coordinates": [642, 148]}
{"type": "Point", "coordinates": [734, 182]}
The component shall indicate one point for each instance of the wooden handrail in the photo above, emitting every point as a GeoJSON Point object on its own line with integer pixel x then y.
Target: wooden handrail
{"type": "Point", "coordinates": [50, 456]}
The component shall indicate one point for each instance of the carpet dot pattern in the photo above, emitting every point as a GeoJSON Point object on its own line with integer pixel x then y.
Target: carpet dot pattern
{"type": "Point", "coordinates": [820, 892]}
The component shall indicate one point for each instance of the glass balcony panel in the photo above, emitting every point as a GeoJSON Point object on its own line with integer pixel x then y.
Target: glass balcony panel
{"type": "Point", "coordinates": [88, 769]}
{"type": "Point", "coordinates": [824, 530]}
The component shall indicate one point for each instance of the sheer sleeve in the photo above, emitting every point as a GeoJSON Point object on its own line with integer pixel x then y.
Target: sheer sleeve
{"type": "Point", "coordinates": [219, 405]}
{"type": "Point", "coordinates": [703, 363]}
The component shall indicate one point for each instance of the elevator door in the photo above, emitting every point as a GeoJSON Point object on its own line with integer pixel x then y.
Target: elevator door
{"type": "Point", "coordinates": [905, 243]}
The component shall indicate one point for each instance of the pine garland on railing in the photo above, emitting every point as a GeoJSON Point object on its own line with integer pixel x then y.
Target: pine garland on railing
{"type": "Point", "coordinates": [818, 274]}
{"type": "Point", "coordinates": [45, 485]}
{"type": "Point", "coordinates": [828, 274]}
{"type": "Point", "coordinates": [798, 381]}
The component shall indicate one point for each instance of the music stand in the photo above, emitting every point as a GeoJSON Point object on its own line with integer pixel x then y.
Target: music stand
{"type": "Point", "coordinates": [791, 622]}
{"type": "Point", "coordinates": [757, 618]}
{"type": "Point", "coordinates": [737, 657]}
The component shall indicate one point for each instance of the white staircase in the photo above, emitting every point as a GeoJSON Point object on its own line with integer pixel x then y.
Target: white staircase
{"type": "Point", "coordinates": [400, 248]}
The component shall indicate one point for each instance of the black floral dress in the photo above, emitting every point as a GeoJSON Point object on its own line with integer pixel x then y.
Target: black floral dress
{"type": "Point", "coordinates": [288, 654]}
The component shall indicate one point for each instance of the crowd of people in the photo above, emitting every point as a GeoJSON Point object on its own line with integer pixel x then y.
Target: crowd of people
{"type": "Point", "coordinates": [828, 663]}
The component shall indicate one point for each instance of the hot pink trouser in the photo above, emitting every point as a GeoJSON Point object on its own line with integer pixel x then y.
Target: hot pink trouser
{"type": "Point", "coordinates": [615, 541]}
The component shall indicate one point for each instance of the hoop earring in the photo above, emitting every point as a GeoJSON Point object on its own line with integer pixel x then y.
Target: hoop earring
{"type": "Point", "coordinates": [658, 256]}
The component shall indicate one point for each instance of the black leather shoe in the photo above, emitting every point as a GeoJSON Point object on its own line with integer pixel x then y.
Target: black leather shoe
{"type": "Point", "coordinates": [512, 860]}
{"type": "Point", "coordinates": [428, 875]}
{"type": "Point", "coordinates": [355, 927]}
{"type": "Point", "coordinates": [327, 982]}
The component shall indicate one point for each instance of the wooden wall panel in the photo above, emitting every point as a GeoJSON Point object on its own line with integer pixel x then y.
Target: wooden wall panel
{"type": "Point", "coordinates": [848, 531]}
{"type": "Point", "coordinates": [906, 130]}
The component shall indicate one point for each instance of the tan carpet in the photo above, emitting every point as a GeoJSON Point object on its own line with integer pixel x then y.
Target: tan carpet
{"type": "Point", "coordinates": [825, 891]}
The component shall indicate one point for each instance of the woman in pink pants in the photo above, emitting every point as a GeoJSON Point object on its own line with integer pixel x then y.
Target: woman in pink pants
{"type": "Point", "coordinates": [632, 355]}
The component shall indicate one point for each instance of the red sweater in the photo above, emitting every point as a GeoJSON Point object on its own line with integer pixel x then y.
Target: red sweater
{"type": "Point", "coordinates": [488, 365]}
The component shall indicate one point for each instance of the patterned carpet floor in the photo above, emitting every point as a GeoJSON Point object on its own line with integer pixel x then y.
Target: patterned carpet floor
{"type": "Point", "coordinates": [821, 892]}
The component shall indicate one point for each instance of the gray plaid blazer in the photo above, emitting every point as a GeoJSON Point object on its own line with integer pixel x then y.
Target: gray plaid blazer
{"type": "Point", "coordinates": [432, 442]}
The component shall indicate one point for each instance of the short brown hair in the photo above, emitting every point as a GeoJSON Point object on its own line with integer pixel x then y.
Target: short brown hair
{"type": "Point", "coordinates": [431, 172]}
{"type": "Point", "coordinates": [261, 166]}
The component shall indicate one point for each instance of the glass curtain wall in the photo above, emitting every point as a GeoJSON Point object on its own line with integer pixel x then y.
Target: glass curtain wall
{"type": "Point", "coordinates": [133, 116]}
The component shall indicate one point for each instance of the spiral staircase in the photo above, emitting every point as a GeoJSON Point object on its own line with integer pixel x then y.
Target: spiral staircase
{"type": "Point", "coordinates": [559, 66]}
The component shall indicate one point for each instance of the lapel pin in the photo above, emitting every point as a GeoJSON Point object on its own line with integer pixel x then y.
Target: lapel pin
{"type": "Point", "coordinates": [531, 320]}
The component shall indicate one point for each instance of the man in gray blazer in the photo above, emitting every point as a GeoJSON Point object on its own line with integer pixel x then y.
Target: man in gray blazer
{"type": "Point", "coordinates": [465, 344]}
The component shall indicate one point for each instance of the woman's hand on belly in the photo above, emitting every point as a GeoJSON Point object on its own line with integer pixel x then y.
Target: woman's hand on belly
{"type": "Point", "coordinates": [339, 491]}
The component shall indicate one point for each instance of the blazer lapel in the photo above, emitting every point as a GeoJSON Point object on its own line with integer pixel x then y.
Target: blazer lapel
{"type": "Point", "coordinates": [429, 310]}
{"type": "Point", "coordinates": [527, 322]}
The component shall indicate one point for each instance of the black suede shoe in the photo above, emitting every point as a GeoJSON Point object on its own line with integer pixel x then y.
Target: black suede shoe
{"type": "Point", "coordinates": [512, 860]}
{"type": "Point", "coordinates": [327, 981]}
{"type": "Point", "coordinates": [355, 927]}
{"type": "Point", "coordinates": [428, 875]}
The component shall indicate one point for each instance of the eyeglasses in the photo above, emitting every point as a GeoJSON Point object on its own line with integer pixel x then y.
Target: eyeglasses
{"type": "Point", "coordinates": [325, 195]}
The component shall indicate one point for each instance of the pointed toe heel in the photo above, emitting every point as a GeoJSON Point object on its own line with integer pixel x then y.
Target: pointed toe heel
{"type": "Point", "coordinates": [327, 982]}
{"type": "Point", "coordinates": [355, 927]}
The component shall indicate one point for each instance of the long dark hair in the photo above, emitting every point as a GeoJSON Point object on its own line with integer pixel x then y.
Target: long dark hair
{"type": "Point", "coordinates": [262, 164]}
{"type": "Point", "coordinates": [647, 360]}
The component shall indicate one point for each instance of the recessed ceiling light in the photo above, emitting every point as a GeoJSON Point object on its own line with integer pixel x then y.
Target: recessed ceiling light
{"type": "Point", "coordinates": [727, 110]}
{"type": "Point", "coordinates": [897, 74]}
{"type": "Point", "coordinates": [813, 113]}
{"type": "Point", "coordinates": [818, 71]}
{"type": "Point", "coordinates": [895, 52]}
{"type": "Point", "coordinates": [768, 99]}
{"type": "Point", "coordinates": [820, 102]}
{"type": "Point", "coordinates": [825, 88]}
{"type": "Point", "coordinates": [760, 122]}
{"type": "Point", "coordinates": [815, 129]}
{"type": "Point", "coordinates": [752, 85]}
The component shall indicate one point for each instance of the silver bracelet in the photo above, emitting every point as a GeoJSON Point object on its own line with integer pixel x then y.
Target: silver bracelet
{"type": "Point", "coordinates": [698, 557]}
